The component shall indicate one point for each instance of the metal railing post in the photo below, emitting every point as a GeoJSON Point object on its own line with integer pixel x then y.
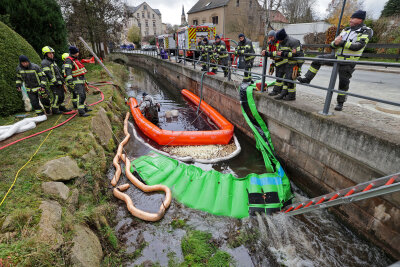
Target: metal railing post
{"type": "Point", "coordinates": [194, 60]}
{"type": "Point", "coordinates": [229, 67]}
{"type": "Point", "coordinates": [176, 55]}
{"type": "Point", "coordinates": [264, 72]}
{"type": "Point", "coordinates": [184, 57]}
{"type": "Point", "coordinates": [329, 94]}
{"type": "Point", "coordinates": [208, 61]}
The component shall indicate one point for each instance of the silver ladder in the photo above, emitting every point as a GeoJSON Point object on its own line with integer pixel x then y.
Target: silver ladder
{"type": "Point", "coordinates": [381, 186]}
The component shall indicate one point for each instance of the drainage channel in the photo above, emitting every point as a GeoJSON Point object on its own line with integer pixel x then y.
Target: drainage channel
{"type": "Point", "coordinates": [314, 239]}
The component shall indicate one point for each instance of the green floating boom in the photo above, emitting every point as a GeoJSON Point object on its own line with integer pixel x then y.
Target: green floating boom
{"type": "Point", "coordinates": [218, 193]}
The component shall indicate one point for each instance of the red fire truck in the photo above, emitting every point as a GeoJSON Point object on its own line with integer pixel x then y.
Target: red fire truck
{"type": "Point", "coordinates": [187, 37]}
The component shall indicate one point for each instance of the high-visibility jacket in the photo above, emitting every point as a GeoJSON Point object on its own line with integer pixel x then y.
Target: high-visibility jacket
{"type": "Point", "coordinates": [245, 47]}
{"type": "Point", "coordinates": [206, 48]}
{"type": "Point", "coordinates": [32, 76]}
{"type": "Point", "coordinates": [52, 71]}
{"type": "Point", "coordinates": [354, 41]}
{"type": "Point", "coordinates": [286, 46]}
{"type": "Point", "coordinates": [220, 49]}
{"type": "Point", "coordinates": [74, 71]}
{"type": "Point", "coordinates": [272, 47]}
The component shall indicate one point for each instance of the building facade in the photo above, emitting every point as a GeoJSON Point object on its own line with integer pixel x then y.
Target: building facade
{"type": "Point", "coordinates": [145, 17]}
{"type": "Point", "coordinates": [230, 17]}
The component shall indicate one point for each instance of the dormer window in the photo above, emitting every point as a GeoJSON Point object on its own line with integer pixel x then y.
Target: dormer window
{"type": "Point", "coordinates": [209, 3]}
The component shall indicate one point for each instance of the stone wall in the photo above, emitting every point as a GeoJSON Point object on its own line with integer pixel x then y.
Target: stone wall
{"type": "Point", "coordinates": [321, 154]}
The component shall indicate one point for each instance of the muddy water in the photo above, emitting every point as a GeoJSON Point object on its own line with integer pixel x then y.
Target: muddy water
{"type": "Point", "coordinates": [314, 239]}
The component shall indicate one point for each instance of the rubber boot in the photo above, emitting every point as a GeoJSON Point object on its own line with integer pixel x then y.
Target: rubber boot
{"type": "Point", "coordinates": [55, 111]}
{"type": "Point", "coordinates": [275, 91]}
{"type": "Point", "coordinates": [88, 109]}
{"type": "Point", "coordinates": [82, 112]}
{"type": "Point", "coordinates": [204, 68]}
{"type": "Point", "coordinates": [303, 80]}
{"type": "Point", "coordinates": [48, 111]}
{"type": "Point", "coordinates": [339, 106]}
{"type": "Point", "coordinates": [74, 104]}
{"type": "Point", "coordinates": [226, 74]}
{"type": "Point", "coordinates": [40, 114]}
{"type": "Point", "coordinates": [290, 96]}
{"type": "Point", "coordinates": [64, 109]}
{"type": "Point", "coordinates": [282, 94]}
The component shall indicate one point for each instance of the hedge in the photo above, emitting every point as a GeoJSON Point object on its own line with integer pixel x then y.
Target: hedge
{"type": "Point", "coordinates": [12, 45]}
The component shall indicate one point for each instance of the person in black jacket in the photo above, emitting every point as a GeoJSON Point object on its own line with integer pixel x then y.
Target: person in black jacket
{"type": "Point", "coordinates": [55, 80]}
{"type": "Point", "coordinates": [245, 47]}
{"type": "Point", "coordinates": [35, 83]}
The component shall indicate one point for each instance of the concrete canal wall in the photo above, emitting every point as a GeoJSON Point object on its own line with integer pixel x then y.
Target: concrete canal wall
{"type": "Point", "coordinates": [321, 154]}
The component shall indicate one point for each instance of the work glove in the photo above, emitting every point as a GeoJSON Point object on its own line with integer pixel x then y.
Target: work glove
{"type": "Point", "coordinates": [19, 89]}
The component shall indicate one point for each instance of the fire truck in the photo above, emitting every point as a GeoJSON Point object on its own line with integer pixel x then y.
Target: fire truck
{"type": "Point", "coordinates": [187, 36]}
{"type": "Point", "coordinates": [166, 42]}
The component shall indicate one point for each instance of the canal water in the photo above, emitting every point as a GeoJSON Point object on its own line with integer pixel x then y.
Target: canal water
{"type": "Point", "coordinates": [314, 239]}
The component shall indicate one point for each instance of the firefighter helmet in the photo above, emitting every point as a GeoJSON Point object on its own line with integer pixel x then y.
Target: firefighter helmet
{"type": "Point", "coordinates": [64, 56]}
{"type": "Point", "coordinates": [47, 49]}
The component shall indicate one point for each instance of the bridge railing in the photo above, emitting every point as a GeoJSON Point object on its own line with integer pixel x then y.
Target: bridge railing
{"type": "Point", "coordinates": [185, 60]}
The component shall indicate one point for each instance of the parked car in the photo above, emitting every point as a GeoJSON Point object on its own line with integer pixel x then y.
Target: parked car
{"type": "Point", "coordinates": [149, 48]}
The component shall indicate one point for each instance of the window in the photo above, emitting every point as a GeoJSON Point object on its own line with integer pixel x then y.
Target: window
{"type": "Point", "coordinates": [250, 3]}
{"type": "Point", "coordinates": [147, 23]}
{"type": "Point", "coordinates": [154, 23]}
{"type": "Point", "coordinates": [215, 20]}
{"type": "Point", "coordinates": [237, 3]}
{"type": "Point", "coordinates": [195, 22]}
{"type": "Point", "coordinates": [144, 7]}
{"type": "Point", "coordinates": [153, 16]}
{"type": "Point", "coordinates": [142, 14]}
{"type": "Point", "coordinates": [138, 15]}
{"type": "Point", "coordinates": [148, 14]}
{"type": "Point", "coordinates": [208, 4]}
{"type": "Point", "coordinates": [203, 21]}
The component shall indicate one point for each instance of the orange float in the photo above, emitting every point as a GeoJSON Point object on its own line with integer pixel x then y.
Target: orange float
{"type": "Point", "coordinates": [184, 138]}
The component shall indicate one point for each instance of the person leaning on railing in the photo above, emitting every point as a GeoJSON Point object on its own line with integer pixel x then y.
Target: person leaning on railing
{"type": "Point", "coordinates": [220, 55]}
{"type": "Point", "coordinates": [349, 45]}
{"type": "Point", "coordinates": [205, 48]}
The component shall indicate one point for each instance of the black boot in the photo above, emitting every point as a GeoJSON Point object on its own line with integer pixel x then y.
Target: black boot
{"type": "Point", "coordinates": [40, 113]}
{"type": "Point", "coordinates": [339, 106]}
{"type": "Point", "coordinates": [88, 109]}
{"type": "Point", "coordinates": [282, 94]}
{"type": "Point", "coordinates": [82, 112]}
{"type": "Point", "coordinates": [48, 110]}
{"type": "Point", "coordinates": [225, 74]}
{"type": "Point", "coordinates": [55, 111]}
{"type": "Point", "coordinates": [303, 80]}
{"type": "Point", "coordinates": [64, 109]}
{"type": "Point", "coordinates": [290, 96]}
{"type": "Point", "coordinates": [204, 68]}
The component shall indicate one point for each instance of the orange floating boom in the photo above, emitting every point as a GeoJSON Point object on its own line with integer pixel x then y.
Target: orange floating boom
{"type": "Point", "coordinates": [183, 138]}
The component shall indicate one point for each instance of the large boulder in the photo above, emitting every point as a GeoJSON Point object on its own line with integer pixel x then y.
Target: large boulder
{"type": "Point", "coordinates": [101, 127]}
{"type": "Point", "coordinates": [61, 169]}
{"type": "Point", "coordinates": [57, 189]}
{"type": "Point", "coordinates": [50, 223]}
{"type": "Point", "coordinates": [86, 250]}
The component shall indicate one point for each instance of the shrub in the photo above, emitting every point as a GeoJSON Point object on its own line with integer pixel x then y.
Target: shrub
{"type": "Point", "coordinates": [12, 45]}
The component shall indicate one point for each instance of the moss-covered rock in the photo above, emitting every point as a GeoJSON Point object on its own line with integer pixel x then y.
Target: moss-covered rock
{"type": "Point", "coordinates": [12, 45]}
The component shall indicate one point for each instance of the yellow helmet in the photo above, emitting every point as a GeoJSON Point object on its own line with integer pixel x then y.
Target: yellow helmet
{"type": "Point", "coordinates": [47, 49]}
{"type": "Point", "coordinates": [64, 56]}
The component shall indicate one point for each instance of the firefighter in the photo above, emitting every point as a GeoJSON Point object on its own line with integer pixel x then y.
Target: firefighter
{"type": "Point", "coordinates": [70, 89]}
{"type": "Point", "coordinates": [55, 80]}
{"type": "Point", "coordinates": [35, 84]}
{"type": "Point", "coordinates": [149, 108]}
{"type": "Point", "coordinates": [75, 72]}
{"type": "Point", "coordinates": [349, 45]}
{"type": "Point", "coordinates": [205, 54]}
{"type": "Point", "coordinates": [220, 55]}
{"type": "Point", "coordinates": [198, 48]}
{"type": "Point", "coordinates": [245, 46]}
{"type": "Point", "coordinates": [288, 48]}
{"type": "Point", "coordinates": [278, 63]}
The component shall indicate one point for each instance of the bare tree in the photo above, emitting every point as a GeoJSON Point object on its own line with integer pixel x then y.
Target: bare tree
{"type": "Point", "coordinates": [298, 11]}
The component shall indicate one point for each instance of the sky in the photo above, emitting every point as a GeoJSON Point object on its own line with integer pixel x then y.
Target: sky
{"type": "Point", "coordinates": [171, 10]}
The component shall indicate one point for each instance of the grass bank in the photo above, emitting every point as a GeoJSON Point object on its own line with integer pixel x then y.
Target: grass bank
{"type": "Point", "coordinates": [19, 244]}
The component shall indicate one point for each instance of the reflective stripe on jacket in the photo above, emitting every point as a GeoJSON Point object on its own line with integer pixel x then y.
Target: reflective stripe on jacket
{"type": "Point", "coordinates": [32, 76]}
{"type": "Point", "coordinates": [74, 71]}
{"type": "Point", "coordinates": [286, 46]}
{"type": "Point", "coordinates": [246, 47]}
{"type": "Point", "coordinates": [354, 41]}
{"type": "Point", "coordinates": [52, 71]}
{"type": "Point", "coordinates": [220, 49]}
